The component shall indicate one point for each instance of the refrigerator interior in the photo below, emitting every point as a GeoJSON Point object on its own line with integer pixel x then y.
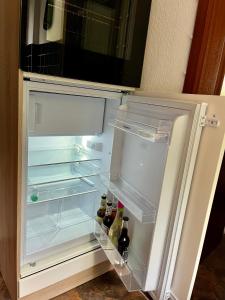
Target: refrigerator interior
{"type": "Point", "coordinates": [62, 187]}
{"type": "Point", "coordinates": [66, 175]}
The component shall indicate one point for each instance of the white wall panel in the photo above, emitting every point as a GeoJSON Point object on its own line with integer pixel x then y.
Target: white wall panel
{"type": "Point", "coordinates": [168, 45]}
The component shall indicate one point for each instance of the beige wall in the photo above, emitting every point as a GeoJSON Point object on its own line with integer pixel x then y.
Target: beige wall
{"type": "Point", "coordinates": [168, 44]}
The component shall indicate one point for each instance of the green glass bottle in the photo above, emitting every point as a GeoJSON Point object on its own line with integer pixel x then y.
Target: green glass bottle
{"type": "Point", "coordinates": [115, 229]}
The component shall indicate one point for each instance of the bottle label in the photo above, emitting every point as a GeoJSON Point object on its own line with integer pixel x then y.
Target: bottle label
{"type": "Point", "coordinates": [125, 255]}
{"type": "Point", "coordinates": [108, 210]}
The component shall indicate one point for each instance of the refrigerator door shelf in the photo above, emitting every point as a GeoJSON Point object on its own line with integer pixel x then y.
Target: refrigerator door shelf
{"type": "Point", "coordinates": [60, 156]}
{"type": "Point", "coordinates": [147, 124]}
{"type": "Point", "coordinates": [144, 211]}
{"type": "Point", "coordinates": [131, 272]}
{"type": "Point", "coordinates": [61, 190]}
{"type": "Point", "coordinates": [38, 175]}
{"type": "Point", "coordinates": [143, 131]}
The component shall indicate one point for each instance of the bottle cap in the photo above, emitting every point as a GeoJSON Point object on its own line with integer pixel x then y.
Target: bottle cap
{"type": "Point", "coordinates": [125, 218]}
{"type": "Point", "coordinates": [104, 196]}
{"type": "Point", "coordinates": [120, 205]}
{"type": "Point", "coordinates": [109, 203]}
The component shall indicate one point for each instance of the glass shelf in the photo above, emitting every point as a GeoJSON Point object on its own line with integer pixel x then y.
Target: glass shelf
{"type": "Point", "coordinates": [60, 190]}
{"type": "Point", "coordinates": [39, 175]}
{"type": "Point", "coordinates": [59, 156]}
{"type": "Point", "coordinates": [144, 211]}
{"type": "Point", "coordinates": [123, 269]}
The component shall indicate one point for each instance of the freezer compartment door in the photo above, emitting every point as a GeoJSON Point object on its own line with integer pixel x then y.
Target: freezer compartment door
{"type": "Point", "coordinates": [61, 114]}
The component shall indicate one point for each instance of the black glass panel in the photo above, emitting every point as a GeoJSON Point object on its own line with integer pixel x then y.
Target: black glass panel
{"type": "Point", "coordinates": [95, 40]}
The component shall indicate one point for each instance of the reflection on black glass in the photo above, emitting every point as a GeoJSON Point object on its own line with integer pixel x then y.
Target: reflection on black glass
{"type": "Point", "coordinates": [94, 40]}
{"type": "Point", "coordinates": [48, 18]}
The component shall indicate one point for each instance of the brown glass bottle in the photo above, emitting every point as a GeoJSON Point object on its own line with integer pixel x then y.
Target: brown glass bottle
{"type": "Point", "coordinates": [101, 211]}
{"type": "Point", "coordinates": [124, 240]}
{"type": "Point", "coordinates": [107, 220]}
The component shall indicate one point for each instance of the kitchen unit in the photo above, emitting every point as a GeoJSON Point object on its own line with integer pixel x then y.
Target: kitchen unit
{"type": "Point", "coordinates": [70, 141]}
{"type": "Point", "coordinates": [80, 142]}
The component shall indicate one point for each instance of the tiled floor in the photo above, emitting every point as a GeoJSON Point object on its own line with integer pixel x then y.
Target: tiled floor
{"type": "Point", "coordinates": [210, 281]}
{"type": "Point", "coordinates": [105, 287]}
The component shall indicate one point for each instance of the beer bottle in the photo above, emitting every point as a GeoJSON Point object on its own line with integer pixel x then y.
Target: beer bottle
{"type": "Point", "coordinates": [107, 220]}
{"type": "Point", "coordinates": [101, 211]}
{"type": "Point", "coordinates": [124, 240]}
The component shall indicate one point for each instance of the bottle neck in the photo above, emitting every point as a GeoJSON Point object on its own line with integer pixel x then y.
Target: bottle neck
{"type": "Point", "coordinates": [108, 210]}
{"type": "Point", "coordinates": [125, 226]}
{"type": "Point", "coordinates": [119, 213]}
{"type": "Point", "coordinates": [103, 204]}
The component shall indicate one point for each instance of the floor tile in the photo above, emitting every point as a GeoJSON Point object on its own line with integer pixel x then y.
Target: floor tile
{"type": "Point", "coordinates": [210, 280]}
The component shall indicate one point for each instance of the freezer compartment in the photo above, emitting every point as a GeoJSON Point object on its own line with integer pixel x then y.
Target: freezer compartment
{"type": "Point", "coordinates": [132, 273]}
{"type": "Point", "coordinates": [57, 223]}
{"type": "Point", "coordinates": [38, 175]}
{"type": "Point", "coordinates": [47, 111]}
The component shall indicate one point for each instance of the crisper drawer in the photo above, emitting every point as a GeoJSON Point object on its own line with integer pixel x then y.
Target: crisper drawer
{"type": "Point", "coordinates": [58, 224]}
{"type": "Point", "coordinates": [60, 114]}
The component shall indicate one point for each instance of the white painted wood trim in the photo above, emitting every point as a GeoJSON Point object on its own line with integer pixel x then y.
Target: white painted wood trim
{"type": "Point", "coordinates": [70, 283]}
{"type": "Point", "coordinates": [48, 277]}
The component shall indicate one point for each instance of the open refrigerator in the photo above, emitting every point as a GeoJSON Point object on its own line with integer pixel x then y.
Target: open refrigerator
{"type": "Point", "coordinates": [80, 143]}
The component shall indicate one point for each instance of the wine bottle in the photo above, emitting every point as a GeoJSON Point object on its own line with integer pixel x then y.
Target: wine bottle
{"type": "Point", "coordinates": [115, 229]}
{"type": "Point", "coordinates": [124, 240]}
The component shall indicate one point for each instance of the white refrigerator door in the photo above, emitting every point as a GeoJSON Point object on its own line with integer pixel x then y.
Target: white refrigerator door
{"type": "Point", "coordinates": [175, 129]}
{"type": "Point", "coordinates": [178, 284]}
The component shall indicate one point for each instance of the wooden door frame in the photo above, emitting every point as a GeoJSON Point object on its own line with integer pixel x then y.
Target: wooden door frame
{"type": "Point", "coordinates": [206, 66]}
